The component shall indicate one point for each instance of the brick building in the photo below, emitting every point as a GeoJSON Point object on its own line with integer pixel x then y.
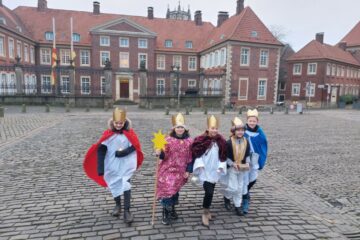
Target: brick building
{"type": "Point", "coordinates": [319, 73]}
{"type": "Point", "coordinates": [152, 61]}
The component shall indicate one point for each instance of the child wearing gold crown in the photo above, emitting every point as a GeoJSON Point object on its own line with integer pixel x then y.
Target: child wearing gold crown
{"type": "Point", "coordinates": [209, 154]}
{"type": "Point", "coordinates": [258, 154]}
{"type": "Point", "coordinates": [238, 152]}
{"type": "Point", "coordinates": [174, 168]}
{"type": "Point", "coordinates": [113, 160]}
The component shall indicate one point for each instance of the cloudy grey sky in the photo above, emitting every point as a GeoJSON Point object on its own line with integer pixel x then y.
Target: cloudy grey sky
{"type": "Point", "coordinates": [299, 20]}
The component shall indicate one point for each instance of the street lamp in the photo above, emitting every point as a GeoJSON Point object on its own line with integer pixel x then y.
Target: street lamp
{"type": "Point", "coordinates": [176, 70]}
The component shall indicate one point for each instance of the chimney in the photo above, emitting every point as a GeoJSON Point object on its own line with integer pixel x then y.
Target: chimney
{"type": "Point", "coordinates": [222, 17]}
{"type": "Point", "coordinates": [342, 45]}
{"type": "Point", "coordinates": [42, 5]}
{"type": "Point", "coordinates": [96, 8]}
{"type": "Point", "coordinates": [239, 6]}
{"type": "Point", "coordinates": [150, 13]}
{"type": "Point", "coordinates": [197, 18]}
{"type": "Point", "coordinates": [320, 37]}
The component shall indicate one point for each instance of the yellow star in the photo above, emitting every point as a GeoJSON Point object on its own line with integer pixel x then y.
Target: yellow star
{"type": "Point", "coordinates": [159, 140]}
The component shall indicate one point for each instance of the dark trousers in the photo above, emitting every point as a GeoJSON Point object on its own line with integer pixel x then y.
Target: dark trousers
{"type": "Point", "coordinates": [209, 193]}
{"type": "Point", "coordinates": [173, 200]}
{"type": "Point", "coordinates": [251, 184]}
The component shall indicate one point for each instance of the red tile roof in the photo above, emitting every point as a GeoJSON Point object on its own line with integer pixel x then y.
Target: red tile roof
{"type": "Point", "coordinates": [353, 37]}
{"type": "Point", "coordinates": [12, 22]}
{"type": "Point", "coordinates": [316, 50]}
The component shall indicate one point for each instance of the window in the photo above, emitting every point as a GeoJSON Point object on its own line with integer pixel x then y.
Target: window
{"type": "Point", "coordinates": [18, 49]}
{"type": "Point", "coordinates": [103, 84]}
{"type": "Point", "coordinates": [142, 57]}
{"type": "Point", "coordinates": [254, 34]}
{"type": "Point", "coordinates": [328, 69]}
{"type": "Point", "coordinates": [191, 83]}
{"type": "Point", "coordinates": [142, 43]}
{"type": "Point", "coordinates": [160, 87]}
{"type": "Point", "coordinates": [30, 84]}
{"type": "Point", "coordinates": [84, 58]}
{"type": "Point", "coordinates": [245, 57]}
{"type": "Point", "coordinates": [45, 56]}
{"type": "Point", "coordinates": [65, 56]}
{"type": "Point", "coordinates": [85, 85]}
{"type": "Point", "coordinates": [124, 60]}
{"type": "Point", "coordinates": [333, 70]}
{"type": "Point", "coordinates": [264, 58]}
{"type": "Point", "coordinates": [49, 36]}
{"type": "Point", "coordinates": [11, 84]}
{"type": "Point", "coordinates": [160, 62]}
{"type": "Point", "coordinates": [26, 53]}
{"type": "Point", "coordinates": [177, 61]}
{"type": "Point", "coordinates": [192, 64]}
{"type": "Point", "coordinates": [310, 89]}
{"type": "Point", "coordinates": [76, 37]}
{"type": "Point", "coordinates": [312, 68]}
{"type": "Point", "coordinates": [2, 21]}
{"type": "Point", "coordinates": [223, 57]}
{"type": "Point", "coordinates": [2, 46]}
{"type": "Point", "coordinates": [282, 86]}
{"type": "Point", "coordinates": [262, 89]}
{"type": "Point", "coordinates": [338, 71]}
{"type": "Point", "coordinates": [32, 55]}
{"type": "Point", "coordinates": [168, 43]}
{"type": "Point", "coordinates": [3, 82]}
{"type": "Point", "coordinates": [295, 89]}
{"type": "Point", "coordinates": [104, 41]}
{"type": "Point", "coordinates": [202, 61]}
{"type": "Point", "coordinates": [188, 44]}
{"type": "Point", "coordinates": [11, 48]}
{"type": "Point", "coordinates": [205, 86]}
{"type": "Point", "coordinates": [297, 69]}
{"type": "Point", "coordinates": [243, 88]}
{"type": "Point", "coordinates": [104, 55]}
{"type": "Point", "coordinates": [216, 60]}
{"type": "Point", "coordinates": [343, 71]}
{"type": "Point", "coordinates": [45, 84]}
{"type": "Point", "coordinates": [65, 84]}
{"type": "Point", "coordinates": [124, 42]}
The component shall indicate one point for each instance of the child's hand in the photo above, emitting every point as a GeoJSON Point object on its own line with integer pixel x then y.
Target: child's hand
{"type": "Point", "coordinates": [186, 175]}
{"type": "Point", "coordinates": [157, 152]}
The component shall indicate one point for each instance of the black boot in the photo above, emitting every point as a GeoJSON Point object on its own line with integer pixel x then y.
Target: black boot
{"type": "Point", "coordinates": [227, 203]}
{"type": "Point", "coordinates": [173, 213]}
{"type": "Point", "coordinates": [117, 208]}
{"type": "Point", "coordinates": [166, 220]}
{"type": "Point", "coordinates": [128, 217]}
{"type": "Point", "coordinates": [239, 211]}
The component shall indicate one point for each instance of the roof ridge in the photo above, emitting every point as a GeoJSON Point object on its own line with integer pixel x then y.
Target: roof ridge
{"type": "Point", "coordinates": [242, 14]}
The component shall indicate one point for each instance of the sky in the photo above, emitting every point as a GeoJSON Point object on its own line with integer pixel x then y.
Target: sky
{"type": "Point", "coordinates": [296, 20]}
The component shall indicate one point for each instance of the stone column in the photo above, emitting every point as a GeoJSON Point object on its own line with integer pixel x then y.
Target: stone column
{"type": "Point", "coordinates": [143, 94]}
{"type": "Point", "coordinates": [108, 74]}
{"type": "Point", "coordinates": [72, 80]}
{"type": "Point", "coordinates": [19, 74]}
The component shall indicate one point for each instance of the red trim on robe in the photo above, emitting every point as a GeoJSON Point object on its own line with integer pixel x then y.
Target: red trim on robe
{"type": "Point", "coordinates": [90, 161]}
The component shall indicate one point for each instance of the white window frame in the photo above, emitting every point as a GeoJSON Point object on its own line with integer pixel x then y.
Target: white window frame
{"type": "Point", "coordinates": [160, 91]}
{"type": "Point", "coordinates": [45, 54]}
{"type": "Point", "coordinates": [11, 47]}
{"type": "Point", "coordinates": [160, 62]}
{"type": "Point", "coordinates": [310, 68]}
{"type": "Point", "coordinates": [245, 55]}
{"type": "Point", "coordinates": [244, 97]}
{"type": "Point", "coordinates": [32, 54]}
{"type": "Point", "coordinates": [188, 44]}
{"type": "Point", "coordinates": [179, 57]}
{"type": "Point", "coordinates": [3, 83]}
{"type": "Point", "coordinates": [333, 70]}
{"type": "Point", "coordinates": [48, 79]}
{"type": "Point", "coordinates": [297, 69]}
{"type": "Point", "coordinates": [2, 46]}
{"type": "Point", "coordinates": [142, 40]}
{"type": "Point", "coordinates": [82, 78]}
{"type": "Point", "coordinates": [262, 97]}
{"type": "Point", "coordinates": [295, 86]}
{"type": "Point", "coordinates": [264, 58]}
{"type": "Point", "coordinates": [124, 45]}
{"type": "Point", "coordinates": [74, 37]}
{"type": "Point", "coordinates": [102, 63]}
{"type": "Point", "coordinates": [216, 58]}
{"type": "Point", "coordinates": [19, 49]}
{"type": "Point", "coordinates": [49, 36]}
{"type": "Point", "coordinates": [310, 92]}
{"type": "Point", "coordinates": [192, 64]}
{"type": "Point", "coordinates": [122, 57]}
{"type": "Point", "coordinates": [85, 58]}
{"type": "Point", "coordinates": [62, 84]}
{"type": "Point", "coordinates": [104, 43]}
{"type": "Point", "coordinates": [65, 57]}
{"type": "Point", "coordinates": [168, 43]}
{"type": "Point", "coordinates": [146, 59]}
{"type": "Point", "coordinates": [328, 69]}
{"type": "Point", "coordinates": [191, 83]}
{"type": "Point", "coordinates": [223, 56]}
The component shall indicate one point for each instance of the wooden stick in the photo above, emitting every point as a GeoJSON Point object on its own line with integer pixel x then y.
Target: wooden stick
{"type": "Point", "coordinates": [155, 191]}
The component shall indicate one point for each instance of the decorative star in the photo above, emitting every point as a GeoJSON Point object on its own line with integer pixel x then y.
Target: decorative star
{"type": "Point", "coordinates": [159, 140]}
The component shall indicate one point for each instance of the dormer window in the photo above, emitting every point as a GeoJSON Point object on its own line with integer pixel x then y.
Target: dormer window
{"type": "Point", "coordinates": [222, 36]}
{"type": "Point", "coordinates": [188, 44]}
{"type": "Point", "coordinates": [49, 36]}
{"type": "Point", "coordinates": [2, 21]}
{"type": "Point", "coordinates": [168, 43]}
{"type": "Point", "coordinates": [254, 33]}
{"type": "Point", "coordinates": [76, 37]}
{"type": "Point", "coordinates": [19, 28]}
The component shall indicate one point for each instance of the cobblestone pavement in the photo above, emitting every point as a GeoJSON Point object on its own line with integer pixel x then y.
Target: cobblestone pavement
{"type": "Point", "coordinates": [44, 193]}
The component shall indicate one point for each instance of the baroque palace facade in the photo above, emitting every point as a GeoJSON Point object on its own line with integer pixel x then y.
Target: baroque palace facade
{"type": "Point", "coordinates": [144, 59]}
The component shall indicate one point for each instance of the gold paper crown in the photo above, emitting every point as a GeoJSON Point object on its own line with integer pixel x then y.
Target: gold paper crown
{"type": "Point", "coordinates": [119, 115]}
{"type": "Point", "coordinates": [212, 121]}
{"type": "Point", "coordinates": [253, 113]}
{"type": "Point", "coordinates": [236, 122]}
{"type": "Point", "coordinates": [178, 120]}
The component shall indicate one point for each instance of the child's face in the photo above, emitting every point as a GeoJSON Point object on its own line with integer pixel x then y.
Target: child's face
{"type": "Point", "coordinates": [213, 131]}
{"type": "Point", "coordinates": [239, 132]}
{"type": "Point", "coordinates": [119, 125]}
{"type": "Point", "coordinates": [179, 130]}
{"type": "Point", "coordinates": [252, 122]}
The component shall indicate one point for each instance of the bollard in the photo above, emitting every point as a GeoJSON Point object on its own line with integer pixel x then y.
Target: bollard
{"type": "Point", "coordinates": [240, 110]}
{"type": "Point", "coordinates": [191, 108]}
{"type": "Point", "coordinates": [286, 110]}
{"type": "Point", "coordinates": [67, 107]}
{"type": "Point", "coordinates": [223, 110]}
{"type": "Point", "coordinates": [106, 107]}
{"type": "Point", "coordinates": [167, 110]}
{"type": "Point", "coordinates": [23, 108]}
{"type": "Point", "coordinates": [186, 110]}
{"type": "Point", "coordinates": [87, 109]}
{"type": "Point", "coordinates": [47, 108]}
{"type": "Point", "coordinates": [205, 110]}
{"type": "Point", "coordinates": [150, 106]}
{"type": "Point", "coordinates": [1, 112]}
{"type": "Point", "coordinates": [271, 110]}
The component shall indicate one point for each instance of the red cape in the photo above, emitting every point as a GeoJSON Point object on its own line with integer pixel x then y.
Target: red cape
{"type": "Point", "coordinates": [90, 161]}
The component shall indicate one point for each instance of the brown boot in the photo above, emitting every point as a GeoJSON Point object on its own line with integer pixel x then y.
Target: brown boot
{"type": "Point", "coordinates": [205, 217]}
{"type": "Point", "coordinates": [128, 217]}
{"type": "Point", "coordinates": [209, 214]}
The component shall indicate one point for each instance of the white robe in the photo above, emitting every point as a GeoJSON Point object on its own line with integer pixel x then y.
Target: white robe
{"type": "Point", "coordinates": [118, 170]}
{"type": "Point", "coordinates": [232, 184]}
{"type": "Point", "coordinates": [253, 173]}
{"type": "Point", "coordinates": [208, 167]}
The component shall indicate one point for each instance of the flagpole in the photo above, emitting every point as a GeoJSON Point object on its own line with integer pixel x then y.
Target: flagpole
{"type": "Point", "coordinates": [53, 55]}
{"type": "Point", "coordinates": [71, 39]}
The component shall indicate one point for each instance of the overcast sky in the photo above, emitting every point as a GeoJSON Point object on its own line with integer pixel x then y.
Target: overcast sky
{"type": "Point", "coordinates": [299, 20]}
